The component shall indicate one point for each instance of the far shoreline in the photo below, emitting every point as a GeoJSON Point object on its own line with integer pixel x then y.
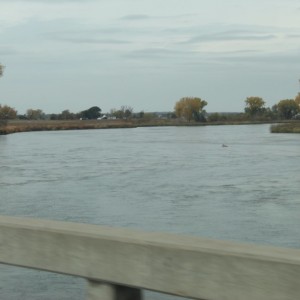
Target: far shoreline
{"type": "Point", "coordinates": [15, 126]}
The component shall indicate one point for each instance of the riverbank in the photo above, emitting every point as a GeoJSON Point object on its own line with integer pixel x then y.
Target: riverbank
{"type": "Point", "coordinates": [292, 127]}
{"type": "Point", "coordinates": [14, 126]}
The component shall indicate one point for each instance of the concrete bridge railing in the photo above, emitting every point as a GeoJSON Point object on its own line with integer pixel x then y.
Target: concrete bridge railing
{"type": "Point", "coordinates": [120, 263]}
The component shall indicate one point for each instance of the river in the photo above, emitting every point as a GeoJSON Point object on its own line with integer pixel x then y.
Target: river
{"type": "Point", "coordinates": [171, 179]}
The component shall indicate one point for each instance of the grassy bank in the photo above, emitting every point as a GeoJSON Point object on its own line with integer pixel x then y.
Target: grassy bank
{"type": "Point", "coordinates": [293, 127]}
{"type": "Point", "coordinates": [14, 126]}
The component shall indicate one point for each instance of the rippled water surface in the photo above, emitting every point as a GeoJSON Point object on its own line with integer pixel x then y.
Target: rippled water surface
{"type": "Point", "coordinates": [173, 179]}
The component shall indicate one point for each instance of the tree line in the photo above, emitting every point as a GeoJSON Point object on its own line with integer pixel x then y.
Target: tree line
{"type": "Point", "coordinates": [284, 109]}
{"type": "Point", "coordinates": [192, 109]}
{"type": "Point", "coordinates": [187, 108]}
{"type": "Point", "coordinates": [1, 69]}
{"type": "Point", "coordinates": [94, 112]}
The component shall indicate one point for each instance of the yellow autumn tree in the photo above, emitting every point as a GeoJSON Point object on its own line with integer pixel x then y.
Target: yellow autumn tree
{"type": "Point", "coordinates": [190, 108]}
{"type": "Point", "coordinates": [288, 108]}
{"type": "Point", "coordinates": [254, 106]}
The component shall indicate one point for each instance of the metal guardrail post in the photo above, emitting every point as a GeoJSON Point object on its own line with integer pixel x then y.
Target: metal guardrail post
{"type": "Point", "coordinates": [105, 291]}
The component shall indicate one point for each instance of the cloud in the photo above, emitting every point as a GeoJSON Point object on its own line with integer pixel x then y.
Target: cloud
{"type": "Point", "coordinates": [135, 17]}
{"type": "Point", "coordinates": [93, 41]}
{"type": "Point", "coordinates": [230, 36]}
{"type": "Point", "coordinates": [295, 36]}
{"type": "Point", "coordinates": [154, 53]}
{"type": "Point", "coordinates": [273, 59]}
{"type": "Point", "coordinates": [109, 35]}
{"type": "Point", "coordinates": [57, 33]}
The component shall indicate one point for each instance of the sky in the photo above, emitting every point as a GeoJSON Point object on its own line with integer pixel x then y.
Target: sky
{"type": "Point", "coordinates": [147, 54]}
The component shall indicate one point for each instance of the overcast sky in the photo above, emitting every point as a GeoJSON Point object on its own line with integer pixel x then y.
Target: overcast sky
{"type": "Point", "coordinates": [147, 54]}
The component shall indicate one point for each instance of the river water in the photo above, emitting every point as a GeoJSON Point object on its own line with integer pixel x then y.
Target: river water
{"type": "Point", "coordinates": [171, 179]}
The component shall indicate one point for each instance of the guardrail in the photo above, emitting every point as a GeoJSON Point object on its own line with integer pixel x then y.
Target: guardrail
{"type": "Point", "coordinates": [120, 263]}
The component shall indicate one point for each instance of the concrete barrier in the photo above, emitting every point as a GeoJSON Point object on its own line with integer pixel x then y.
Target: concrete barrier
{"type": "Point", "coordinates": [119, 263]}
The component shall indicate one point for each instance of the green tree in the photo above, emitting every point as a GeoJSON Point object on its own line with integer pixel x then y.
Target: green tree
{"type": "Point", "coordinates": [215, 117]}
{"type": "Point", "coordinates": [7, 112]}
{"type": "Point", "coordinates": [66, 115]}
{"type": "Point", "coordinates": [93, 112]}
{"type": "Point", "coordinates": [254, 106]}
{"type": "Point", "coordinates": [190, 108]}
{"type": "Point", "coordinates": [287, 108]}
{"type": "Point", "coordinates": [141, 114]}
{"type": "Point", "coordinates": [54, 116]}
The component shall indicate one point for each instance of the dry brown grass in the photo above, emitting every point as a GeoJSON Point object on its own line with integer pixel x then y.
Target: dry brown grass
{"type": "Point", "coordinates": [14, 126]}
{"type": "Point", "coordinates": [293, 127]}
{"type": "Point", "coordinates": [43, 125]}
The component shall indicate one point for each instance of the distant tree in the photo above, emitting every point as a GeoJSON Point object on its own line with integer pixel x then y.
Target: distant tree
{"type": "Point", "coordinates": [275, 108]}
{"type": "Point", "coordinates": [172, 115]}
{"type": "Point", "coordinates": [22, 117]}
{"type": "Point", "coordinates": [3, 121]}
{"type": "Point", "coordinates": [270, 114]}
{"type": "Point", "coordinates": [128, 110]}
{"type": "Point", "coordinates": [297, 99]}
{"type": "Point", "coordinates": [54, 116]}
{"type": "Point", "coordinates": [125, 112]}
{"type": "Point", "coordinates": [217, 117]}
{"type": "Point", "coordinates": [35, 114]}
{"type": "Point", "coordinates": [93, 112]}
{"type": "Point", "coordinates": [119, 114]}
{"type": "Point", "coordinates": [66, 115]}
{"type": "Point", "coordinates": [1, 69]}
{"type": "Point", "coordinates": [287, 108]}
{"type": "Point", "coordinates": [254, 106]}
{"type": "Point", "coordinates": [7, 112]}
{"type": "Point", "coordinates": [141, 114]}
{"type": "Point", "coordinates": [190, 108]}
{"type": "Point", "coordinates": [149, 116]}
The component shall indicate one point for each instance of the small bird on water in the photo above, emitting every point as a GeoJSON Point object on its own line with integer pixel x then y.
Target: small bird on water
{"type": "Point", "coordinates": [223, 145]}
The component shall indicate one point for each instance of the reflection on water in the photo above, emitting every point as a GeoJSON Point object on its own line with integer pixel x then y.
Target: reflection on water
{"type": "Point", "coordinates": [174, 179]}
